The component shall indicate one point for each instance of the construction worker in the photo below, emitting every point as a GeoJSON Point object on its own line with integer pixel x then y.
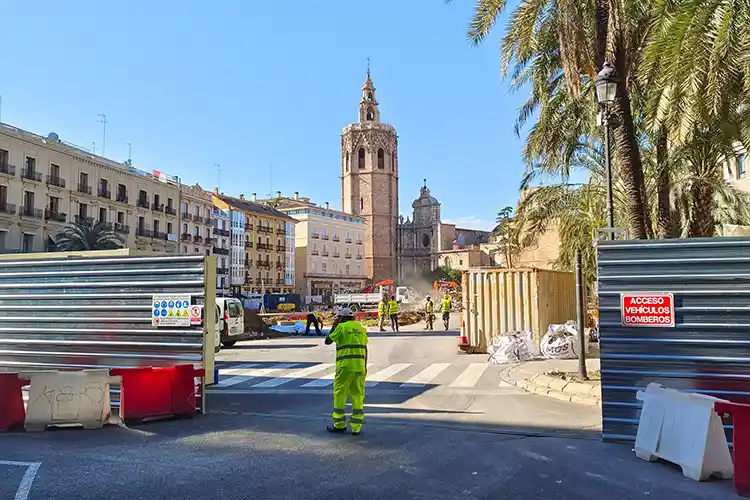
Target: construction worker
{"type": "Point", "coordinates": [445, 307]}
{"type": "Point", "coordinates": [351, 369]}
{"type": "Point", "coordinates": [429, 317]}
{"type": "Point", "coordinates": [383, 312]}
{"type": "Point", "coordinates": [393, 313]}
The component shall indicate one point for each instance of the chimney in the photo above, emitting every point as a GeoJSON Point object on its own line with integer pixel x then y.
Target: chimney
{"type": "Point", "coordinates": [242, 197]}
{"type": "Point", "coordinates": [278, 194]}
{"type": "Point", "coordinates": [255, 197]}
{"type": "Point", "coordinates": [216, 190]}
{"type": "Point", "coordinates": [325, 205]}
{"type": "Point", "coordinates": [296, 195]}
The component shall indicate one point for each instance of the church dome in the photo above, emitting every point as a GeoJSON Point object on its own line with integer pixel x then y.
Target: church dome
{"type": "Point", "coordinates": [425, 200]}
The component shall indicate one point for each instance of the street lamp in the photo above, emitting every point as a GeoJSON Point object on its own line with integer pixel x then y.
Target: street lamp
{"type": "Point", "coordinates": [606, 91]}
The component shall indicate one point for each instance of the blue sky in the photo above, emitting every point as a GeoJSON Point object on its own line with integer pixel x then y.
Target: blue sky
{"type": "Point", "coordinates": [252, 83]}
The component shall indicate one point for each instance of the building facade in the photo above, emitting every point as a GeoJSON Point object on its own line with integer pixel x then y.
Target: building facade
{"type": "Point", "coordinates": [369, 184]}
{"type": "Point", "coordinates": [196, 216]}
{"type": "Point", "coordinates": [222, 222]}
{"type": "Point", "coordinates": [46, 183]}
{"type": "Point", "coordinates": [259, 236]}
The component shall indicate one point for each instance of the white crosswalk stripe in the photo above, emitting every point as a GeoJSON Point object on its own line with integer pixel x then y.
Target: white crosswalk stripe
{"type": "Point", "coordinates": [304, 372]}
{"type": "Point", "coordinates": [385, 374]}
{"type": "Point", "coordinates": [243, 375]}
{"type": "Point", "coordinates": [470, 376]}
{"type": "Point", "coordinates": [426, 376]}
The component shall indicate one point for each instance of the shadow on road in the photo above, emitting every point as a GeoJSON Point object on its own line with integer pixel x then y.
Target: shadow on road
{"type": "Point", "coordinates": [239, 347]}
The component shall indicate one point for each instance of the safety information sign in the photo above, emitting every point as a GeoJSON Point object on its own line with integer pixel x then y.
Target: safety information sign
{"type": "Point", "coordinates": [170, 310]}
{"type": "Point", "coordinates": [647, 309]}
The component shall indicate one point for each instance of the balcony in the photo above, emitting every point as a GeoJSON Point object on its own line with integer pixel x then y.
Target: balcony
{"type": "Point", "coordinates": [324, 253]}
{"type": "Point", "coordinates": [31, 175]}
{"type": "Point", "coordinates": [55, 216]}
{"type": "Point", "coordinates": [336, 238]}
{"type": "Point", "coordinates": [197, 238]}
{"type": "Point", "coordinates": [120, 228]}
{"type": "Point", "coordinates": [187, 216]}
{"type": "Point", "coordinates": [208, 241]}
{"type": "Point", "coordinates": [221, 232]}
{"type": "Point", "coordinates": [315, 252]}
{"type": "Point", "coordinates": [55, 181]}
{"type": "Point", "coordinates": [104, 193]}
{"type": "Point", "coordinates": [197, 218]}
{"type": "Point", "coordinates": [249, 263]}
{"type": "Point", "coordinates": [157, 207]}
{"type": "Point", "coordinates": [170, 210]}
{"type": "Point", "coordinates": [315, 236]}
{"type": "Point", "coordinates": [158, 235]}
{"type": "Point", "coordinates": [34, 213]}
{"type": "Point", "coordinates": [142, 203]}
{"type": "Point", "coordinates": [82, 219]}
{"type": "Point", "coordinates": [248, 227]}
{"type": "Point", "coordinates": [359, 257]}
{"type": "Point", "coordinates": [281, 248]}
{"type": "Point", "coordinates": [281, 232]}
{"type": "Point", "coordinates": [348, 256]}
{"type": "Point", "coordinates": [279, 265]}
{"type": "Point", "coordinates": [122, 197]}
{"type": "Point", "coordinates": [143, 232]}
{"type": "Point", "coordinates": [265, 229]}
{"type": "Point", "coordinates": [248, 244]}
{"type": "Point", "coordinates": [279, 281]}
{"type": "Point", "coordinates": [208, 220]}
{"type": "Point", "coordinates": [359, 242]}
{"type": "Point", "coordinates": [8, 169]}
{"type": "Point", "coordinates": [185, 237]}
{"type": "Point", "coordinates": [7, 208]}
{"type": "Point", "coordinates": [336, 255]}
{"type": "Point", "coordinates": [324, 237]}
{"type": "Point", "coordinates": [221, 251]}
{"type": "Point", "coordinates": [248, 281]}
{"type": "Point", "coordinates": [263, 263]}
{"type": "Point", "coordinates": [84, 188]}
{"type": "Point", "coordinates": [222, 270]}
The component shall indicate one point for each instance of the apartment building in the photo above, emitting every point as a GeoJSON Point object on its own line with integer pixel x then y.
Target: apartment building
{"type": "Point", "coordinates": [329, 248]}
{"type": "Point", "coordinates": [46, 183]}
{"type": "Point", "coordinates": [196, 222]}
{"type": "Point", "coordinates": [260, 234]}
{"type": "Point", "coordinates": [221, 237]}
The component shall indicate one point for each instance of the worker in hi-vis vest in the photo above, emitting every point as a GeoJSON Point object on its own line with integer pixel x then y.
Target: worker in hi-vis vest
{"type": "Point", "coordinates": [428, 316]}
{"type": "Point", "coordinates": [445, 307]}
{"type": "Point", "coordinates": [351, 369]}
{"type": "Point", "coordinates": [382, 312]}
{"type": "Point", "coordinates": [393, 313]}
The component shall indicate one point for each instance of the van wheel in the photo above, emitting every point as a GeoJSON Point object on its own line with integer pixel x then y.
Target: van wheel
{"type": "Point", "coordinates": [229, 343]}
{"type": "Point", "coordinates": [355, 308]}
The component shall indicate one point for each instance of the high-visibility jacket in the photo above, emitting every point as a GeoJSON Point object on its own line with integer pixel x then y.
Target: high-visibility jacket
{"type": "Point", "coordinates": [351, 346]}
{"type": "Point", "coordinates": [445, 305]}
{"type": "Point", "coordinates": [381, 308]}
{"type": "Point", "coordinates": [392, 307]}
{"type": "Point", "coordinates": [428, 306]}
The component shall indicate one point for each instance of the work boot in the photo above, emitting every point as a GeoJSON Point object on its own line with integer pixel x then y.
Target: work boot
{"type": "Point", "coordinates": [356, 433]}
{"type": "Point", "coordinates": [335, 430]}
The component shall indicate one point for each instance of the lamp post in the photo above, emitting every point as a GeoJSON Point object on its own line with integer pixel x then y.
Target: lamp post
{"type": "Point", "coordinates": [606, 91]}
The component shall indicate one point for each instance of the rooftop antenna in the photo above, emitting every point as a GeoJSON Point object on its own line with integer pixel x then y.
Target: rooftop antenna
{"type": "Point", "coordinates": [368, 67]}
{"type": "Point", "coordinates": [93, 147]}
{"type": "Point", "coordinates": [103, 121]}
{"type": "Point", "coordinates": [270, 180]}
{"type": "Point", "coordinates": [130, 152]}
{"type": "Point", "coordinates": [218, 175]}
{"type": "Point", "coordinates": [1, 109]}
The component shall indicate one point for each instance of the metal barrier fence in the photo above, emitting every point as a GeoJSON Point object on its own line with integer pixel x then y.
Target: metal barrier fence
{"type": "Point", "coordinates": [706, 351]}
{"type": "Point", "coordinates": [96, 312]}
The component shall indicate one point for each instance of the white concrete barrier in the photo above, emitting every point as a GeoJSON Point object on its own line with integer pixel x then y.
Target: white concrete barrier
{"type": "Point", "coordinates": [57, 398]}
{"type": "Point", "coordinates": [683, 428]}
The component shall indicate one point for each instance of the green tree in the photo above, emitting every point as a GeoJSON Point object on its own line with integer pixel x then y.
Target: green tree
{"type": "Point", "coordinates": [85, 234]}
{"type": "Point", "coordinates": [507, 235]}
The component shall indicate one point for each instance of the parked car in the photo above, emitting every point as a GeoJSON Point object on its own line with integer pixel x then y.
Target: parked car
{"type": "Point", "coordinates": [231, 320]}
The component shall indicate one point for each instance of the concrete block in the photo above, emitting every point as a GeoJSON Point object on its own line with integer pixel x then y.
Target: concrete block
{"type": "Point", "coordinates": [596, 391]}
{"type": "Point", "coordinates": [584, 400]}
{"type": "Point", "coordinates": [538, 389]}
{"type": "Point", "coordinates": [559, 395]}
{"type": "Point", "coordinates": [577, 388]}
{"type": "Point", "coordinates": [543, 380]}
{"type": "Point", "coordinates": [523, 384]}
{"type": "Point", "coordinates": [558, 384]}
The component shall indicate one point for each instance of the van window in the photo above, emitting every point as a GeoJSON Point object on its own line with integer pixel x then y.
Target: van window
{"type": "Point", "coordinates": [218, 313]}
{"type": "Point", "coordinates": [234, 309]}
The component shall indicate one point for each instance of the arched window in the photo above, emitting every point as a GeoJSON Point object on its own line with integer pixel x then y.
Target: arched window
{"type": "Point", "coordinates": [370, 115]}
{"type": "Point", "coordinates": [381, 158]}
{"type": "Point", "coordinates": [361, 158]}
{"type": "Point", "coordinates": [425, 240]}
{"type": "Point", "coordinates": [347, 162]}
{"type": "Point", "coordinates": [369, 95]}
{"type": "Point", "coordinates": [361, 203]}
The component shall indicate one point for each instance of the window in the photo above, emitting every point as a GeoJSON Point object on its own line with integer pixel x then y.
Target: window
{"type": "Point", "coordinates": [156, 226]}
{"type": "Point", "coordinates": [102, 215]}
{"type": "Point", "coordinates": [196, 231]}
{"type": "Point", "coordinates": [361, 158]}
{"type": "Point", "coordinates": [184, 249]}
{"type": "Point", "coordinates": [208, 233]}
{"type": "Point", "coordinates": [83, 181]}
{"type": "Point", "coordinates": [460, 262]}
{"type": "Point", "coordinates": [323, 267]}
{"type": "Point", "coordinates": [184, 229]}
{"type": "Point", "coordinates": [185, 209]}
{"type": "Point", "coordinates": [83, 210]}
{"type": "Point", "coordinates": [142, 196]}
{"type": "Point", "coordinates": [122, 193]}
{"type": "Point", "coordinates": [121, 217]}
{"type": "Point", "coordinates": [347, 162]}
{"type": "Point", "coordinates": [370, 115]}
{"type": "Point", "coordinates": [197, 211]}
{"type": "Point", "coordinates": [141, 224]}
{"type": "Point", "coordinates": [741, 170]}
{"type": "Point", "coordinates": [54, 204]}
{"type": "Point", "coordinates": [3, 161]}
{"type": "Point", "coordinates": [361, 203]}
{"type": "Point", "coordinates": [381, 158]}
{"type": "Point", "coordinates": [28, 201]}
{"type": "Point", "coordinates": [156, 200]}
{"type": "Point", "coordinates": [347, 270]}
{"type": "Point", "coordinates": [169, 228]}
{"type": "Point", "coordinates": [27, 243]}
{"type": "Point", "coordinates": [30, 166]}
{"type": "Point", "coordinates": [54, 171]}
{"type": "Point", "coordinates": [3, 196]}
{"type": "Point", "coordinates": [3, 236]}
{"type": "Point", "coordinates": [425, 240]}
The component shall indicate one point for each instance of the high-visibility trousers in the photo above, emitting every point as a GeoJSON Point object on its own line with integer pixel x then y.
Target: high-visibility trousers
{"type": "Point", "coordinates": [349, 384]}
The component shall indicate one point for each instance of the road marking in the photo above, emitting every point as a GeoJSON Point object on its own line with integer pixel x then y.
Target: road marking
{"type": "Point", "coordinates": [426, 376]}
{"type": "Point", "coordinates": [385, 374]}
{"type": "Point", "coordinates": [470, 376]}
{"type": "Point", "coordinates": [304, 372]}
{"type": "Point", "coordinates": [323, 381]}
{"type": "Point", "coordinates": [28, 478]}
{"type": "Point", "coordinates": [236, 369]}
{"type": "Point", "coordinates": [245, 375]}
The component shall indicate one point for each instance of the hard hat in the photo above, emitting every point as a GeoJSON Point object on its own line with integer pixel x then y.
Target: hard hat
{"type": "Point", "coordinates": [345, 311]}
{"type": "Point", "coordinates": [428, 297]}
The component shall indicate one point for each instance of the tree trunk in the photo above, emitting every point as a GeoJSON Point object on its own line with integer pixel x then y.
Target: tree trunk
{"type": "Point", "coordinates": [602, 24]}
{"type": "Point", "coordinates": [629, 154]}
{"type": "Point", "coordinates": [663, 188]}
{"type": "Point", "coordinates": [702, 221]}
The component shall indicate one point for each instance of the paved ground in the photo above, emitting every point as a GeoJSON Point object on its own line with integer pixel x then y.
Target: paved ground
{"type": "Point", "coordinates": [460, 434]}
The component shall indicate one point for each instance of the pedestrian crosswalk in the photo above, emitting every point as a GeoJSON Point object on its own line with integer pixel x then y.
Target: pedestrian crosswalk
{"type": "Point", "coordinates": [264, 376]}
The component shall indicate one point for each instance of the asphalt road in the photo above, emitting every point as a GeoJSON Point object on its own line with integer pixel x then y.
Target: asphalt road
{"type": "Point", "coordinates": [443, 440]}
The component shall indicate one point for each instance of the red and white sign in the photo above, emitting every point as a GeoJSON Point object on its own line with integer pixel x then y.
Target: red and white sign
{"type": "Point", "coordinates": [195, 315]}
{"type": "Point", "coordinates": [647, 309]}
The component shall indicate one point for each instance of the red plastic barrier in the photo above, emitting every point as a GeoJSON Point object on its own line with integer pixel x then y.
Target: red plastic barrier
{"type": "Point", "coordinates": [741, 414]}
{"type": "Point", "coordinates": [12, 412]}
{"type": "Point", "coordinates": [154, 392]}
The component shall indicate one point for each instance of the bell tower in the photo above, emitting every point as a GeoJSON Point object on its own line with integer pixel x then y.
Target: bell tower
{"type": "Point", "coordinates": [369, 183]}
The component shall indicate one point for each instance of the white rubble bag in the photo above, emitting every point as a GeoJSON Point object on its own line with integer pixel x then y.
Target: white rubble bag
{"type": "Point", "coordinates": [512, 347]}
{"type": "Point", "coordinates": [561, 342]}
{"type": "Point", "coordinates": [298, 327]}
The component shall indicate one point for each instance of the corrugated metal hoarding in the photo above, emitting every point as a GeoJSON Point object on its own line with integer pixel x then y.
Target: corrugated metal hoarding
{"type": "Point", "coordinates": [706, 351]}
{"type": "Point", "coordinates": [81, 312]}
{"type": "Point", "coordinates": [497, 301]}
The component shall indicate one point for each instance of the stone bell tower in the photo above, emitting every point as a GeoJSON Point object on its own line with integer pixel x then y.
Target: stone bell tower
{"type": "Point", "coordinates": [369, 183]}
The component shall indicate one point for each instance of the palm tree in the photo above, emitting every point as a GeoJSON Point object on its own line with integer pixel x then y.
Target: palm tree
{"type": "Point", "coordinates": [85, 234]}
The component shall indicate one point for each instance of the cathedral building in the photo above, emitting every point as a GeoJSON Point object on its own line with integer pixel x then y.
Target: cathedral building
{"type": "Point", "coordinates": [369, 184]}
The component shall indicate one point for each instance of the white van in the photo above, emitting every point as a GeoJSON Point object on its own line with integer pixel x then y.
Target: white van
{"type": "Point", "coordinates": [231, 319]}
